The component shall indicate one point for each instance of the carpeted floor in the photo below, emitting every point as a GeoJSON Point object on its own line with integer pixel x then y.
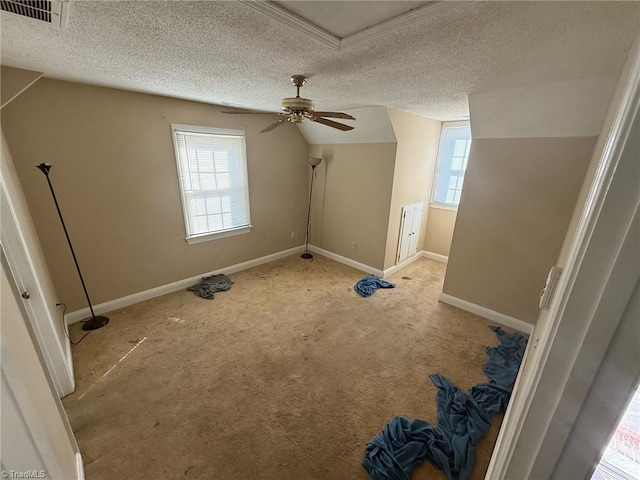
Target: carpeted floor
{"type": "Point", "coordinates": [284, 377]}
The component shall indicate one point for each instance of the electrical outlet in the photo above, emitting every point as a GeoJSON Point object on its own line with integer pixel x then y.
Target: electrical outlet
{"type": "Point", "coordinates": [354, 245]}
{"type": "Point", "coordinates": [216, 252]}
{"type": "Point", "coordinates": [293, 234]}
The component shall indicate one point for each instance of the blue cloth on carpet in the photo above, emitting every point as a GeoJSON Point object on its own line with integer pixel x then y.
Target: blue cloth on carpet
{"type": "Point", "coordinates": [504, 360]}
{"type": "Point", "coordinates": [463, 418]}
{"type": "Point", "coordinates": [401, 446]}
{"type": "Point", "coordinates": [368, 285]}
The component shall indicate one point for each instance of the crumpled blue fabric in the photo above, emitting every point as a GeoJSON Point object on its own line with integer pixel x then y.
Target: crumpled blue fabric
{"type": "Point", "coordinates": [368, 285]}
{"type": "Point", "coordinates": [504, 360]}
{"type": "Point", "coordinates": [463, 418]}
{"type": "Point", "coordinates": [401, 446]}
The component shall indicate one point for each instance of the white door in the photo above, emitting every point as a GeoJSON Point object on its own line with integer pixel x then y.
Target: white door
{"type": "Point", "coordinates": [416, 221]}
{"type": "Point", "coordinates": [36, 440]}
{"type": "Point", "coordinates": [57, 360]}
{"type": "Point", "coordinates": [409, 231]}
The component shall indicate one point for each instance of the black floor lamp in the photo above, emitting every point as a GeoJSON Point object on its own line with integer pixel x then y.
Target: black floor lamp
{"type": "Point", "coordinates": [314, 162]}
{"type": "Point", "coordinates": [94, 322]}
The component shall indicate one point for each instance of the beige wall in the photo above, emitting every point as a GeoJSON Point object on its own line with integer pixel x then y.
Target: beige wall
{"type": "Point", "coordinates": [439, 231]}
{"type": "Point", "coordinates": [352, 196]}
{"type": "Point", "coordinates": [13, 81]}
{"type": "Point", "coordinates": [359, 190]}
{"type": "Point", "coordinates": [115, 177]}
{"type": "Point", "coordinates": [530, 153]}
{"type": "Point", "coordinates": [518, 198]}
{"type": "Point", "coordinates": [417, 138]}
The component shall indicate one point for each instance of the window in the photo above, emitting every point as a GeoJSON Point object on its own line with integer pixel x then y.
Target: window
{"type": "Point", "coordinates": [212, 169]}
{"type": "Point", "coordinates": [453, 152]}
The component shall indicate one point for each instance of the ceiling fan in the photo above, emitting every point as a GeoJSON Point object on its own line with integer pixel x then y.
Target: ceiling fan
{"type": "Point", "coordinates": [296, 109]}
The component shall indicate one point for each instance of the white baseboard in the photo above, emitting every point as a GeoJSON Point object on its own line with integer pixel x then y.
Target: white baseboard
{"type": "Point", "coordinates": [420, 254]}
{"type": "Point", "coordinates": [395, 268]}
{"type": "Point", "coordinates": [492, 315]}
{"type": "Point", "coordinates": [347, 261]}
{"type": "Point", "coordinates": [76, 316]}
{"type": "Point", "coordinates": [79, 466]}
{"type": "Point", "coordinates": [435, 256]}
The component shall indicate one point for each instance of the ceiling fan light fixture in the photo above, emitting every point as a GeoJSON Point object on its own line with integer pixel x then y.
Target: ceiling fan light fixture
{"type": "Point", "coordinates": [296, 117]}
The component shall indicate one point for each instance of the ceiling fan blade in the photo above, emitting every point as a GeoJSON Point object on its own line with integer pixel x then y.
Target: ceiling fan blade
{"type": "Point", "coordinates": [274, 125]}
{"type": "Point", "coordinates": [331, 123]}
{"type": "Point", "coordinates": [346, 116]}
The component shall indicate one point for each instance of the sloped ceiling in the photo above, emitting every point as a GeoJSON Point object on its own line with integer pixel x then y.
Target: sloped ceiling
{"type": "Point", "coordinates": [232, 54]}
{"type": "Point", "coordinates": [373, 125]}
{"type": "Point", "coordinates": [566, 109]}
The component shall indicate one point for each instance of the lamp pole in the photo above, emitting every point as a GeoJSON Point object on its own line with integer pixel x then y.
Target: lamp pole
{"type": "Point", "coordinates": [94, 322]}
{"type": "Point", "coordinates": [314, 162]}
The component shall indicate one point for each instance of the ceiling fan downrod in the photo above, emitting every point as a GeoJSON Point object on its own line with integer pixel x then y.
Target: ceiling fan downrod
{"type": "Point", "coordinates": [298, 81]}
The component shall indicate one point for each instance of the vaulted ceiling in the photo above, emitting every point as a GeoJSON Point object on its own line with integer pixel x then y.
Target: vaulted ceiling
{"type": "Point", "coordinates": [424, 57]}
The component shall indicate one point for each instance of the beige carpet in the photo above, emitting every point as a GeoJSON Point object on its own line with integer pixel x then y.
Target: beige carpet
{"type": "Point", "coordinates": [286, 376]}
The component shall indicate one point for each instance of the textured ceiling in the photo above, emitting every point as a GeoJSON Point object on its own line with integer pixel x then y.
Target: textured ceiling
{"type": "Point", "coordinates": [229, 53]}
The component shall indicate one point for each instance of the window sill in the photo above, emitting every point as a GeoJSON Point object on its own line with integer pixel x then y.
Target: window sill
{"type": "Point", "coordinates": [444, 206]}
{"type": "Point", "coordinates": [213, 236]}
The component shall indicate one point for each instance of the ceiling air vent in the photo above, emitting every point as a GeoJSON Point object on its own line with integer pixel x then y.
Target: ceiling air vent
{"type": "Point", "coordinates": [48, 11]}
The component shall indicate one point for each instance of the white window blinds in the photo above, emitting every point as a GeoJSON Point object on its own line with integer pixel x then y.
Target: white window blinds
{"type": "Point", "coordinates": [453, 152]}
{"type": "Point", "coordinates": [212, 168]}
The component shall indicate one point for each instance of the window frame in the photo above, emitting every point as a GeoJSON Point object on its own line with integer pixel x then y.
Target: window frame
{"type": "Point", "coordinates": [228, 232]}
{"type": "Point", "coordinates": [437, 203]}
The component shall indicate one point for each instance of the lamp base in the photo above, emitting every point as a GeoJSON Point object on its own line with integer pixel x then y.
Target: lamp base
{"type": "Point", "coordinates": [95, 323]}
{"type": "Point", "coordinates": [306, 256]}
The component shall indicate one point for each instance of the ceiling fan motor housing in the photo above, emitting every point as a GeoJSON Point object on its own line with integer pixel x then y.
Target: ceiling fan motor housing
{"type": "Point", "coordinates": [296, 105]}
